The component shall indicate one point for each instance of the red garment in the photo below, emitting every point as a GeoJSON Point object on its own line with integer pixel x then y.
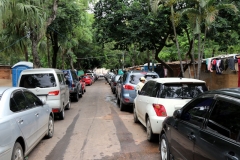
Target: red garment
{"type": "Point", "coordinates": [238, 72]}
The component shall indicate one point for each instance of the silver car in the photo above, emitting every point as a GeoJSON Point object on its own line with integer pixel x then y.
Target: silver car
{"type": "Point", "coordinates": [24, 121]}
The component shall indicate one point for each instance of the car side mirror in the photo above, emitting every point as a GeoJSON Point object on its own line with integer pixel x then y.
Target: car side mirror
{"type": "Point", "coordinates": [43, 101]}
{"type": "Point", "coordinates": [177, 113]}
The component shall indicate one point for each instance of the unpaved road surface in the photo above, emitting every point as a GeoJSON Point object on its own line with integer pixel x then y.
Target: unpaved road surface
{"type": "Point", "coordinates": [95, 128]}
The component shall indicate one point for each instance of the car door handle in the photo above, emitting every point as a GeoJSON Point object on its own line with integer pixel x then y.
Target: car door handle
{"type": "Point", "coordinates": [20, 121]}
{"type": "Point", "coordinates": [37, 114]}
{"type": "Point", "coordinates": [230, 156]}
{"type": "Point", "coordinates": [191, 136]}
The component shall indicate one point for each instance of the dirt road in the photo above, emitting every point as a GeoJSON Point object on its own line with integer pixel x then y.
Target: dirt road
{"type": "Point", "coordinates": [95, 128]}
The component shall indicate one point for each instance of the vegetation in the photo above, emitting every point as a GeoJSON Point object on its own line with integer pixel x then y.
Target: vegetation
{"type": "Point", "coordinates": [119, 33]}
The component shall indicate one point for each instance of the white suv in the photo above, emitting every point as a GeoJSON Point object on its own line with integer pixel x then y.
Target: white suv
{"type": "Point", "coordinates": [160, 97]}
{"type": "Point", "coordinates": [49, 85]}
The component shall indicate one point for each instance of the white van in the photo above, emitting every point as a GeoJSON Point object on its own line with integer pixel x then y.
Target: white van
{"type": "Point", "coordinates": [49, 85]}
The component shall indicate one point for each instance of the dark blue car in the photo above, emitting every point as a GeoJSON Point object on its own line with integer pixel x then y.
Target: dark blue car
{"type": "Point", "coordinates": [75, 88]}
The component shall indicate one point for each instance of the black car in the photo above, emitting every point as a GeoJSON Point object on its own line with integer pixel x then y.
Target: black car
{"type": "Point", "coordinates": [206, 128]}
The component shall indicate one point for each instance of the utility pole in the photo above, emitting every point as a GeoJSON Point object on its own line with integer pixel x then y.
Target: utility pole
{"type": "Point", "coordinates": [123, 61]}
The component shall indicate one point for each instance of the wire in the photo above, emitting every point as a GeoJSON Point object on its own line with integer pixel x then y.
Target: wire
{"type": "Point", "coordinates": [13, 43]}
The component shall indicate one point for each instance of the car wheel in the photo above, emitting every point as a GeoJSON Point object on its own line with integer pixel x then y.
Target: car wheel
{"type": "Point", "coordinates": [122, 106]}
{"type": "Point", "coordinates": [68, 105]}
{"type": "Point", "coordinates": [164, 149]}
{"type": "Point", "coordinates": [135, 117]}
{"type": "Point", "coordinates": [17, 153]}
{"type": "Point", "coordinates": [61, 114]}
{"type": "Point", "coordinates": [118, 100]}
{"type": "Point", "coordinates": [76, 97]}
{"type": "Point", "coordinates": [80, 94]}
{"type": "Point", "coordinates": [50, 127]}
{"type": "Point", "coordinates": [150, 135]}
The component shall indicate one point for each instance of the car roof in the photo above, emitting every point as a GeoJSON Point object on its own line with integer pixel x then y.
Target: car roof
{"type": "Point", "coordinates": [41, 70]}
{"type": "Point", "coordinates": [177, 80]}
{"type": "Point", "coordinates": [3, 89]}
{"type": "Point", "coordinates": [143, 72]}
{"type": "Point", "coordinates": [234, 92]}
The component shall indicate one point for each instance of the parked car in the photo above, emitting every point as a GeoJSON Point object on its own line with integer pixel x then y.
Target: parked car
{"type": "Point", "coordinates": [160, 97]}
{"type": "Point", "coordinates": [75, 87]}
{"type": "Point", "coordinates": [126, 87]}
{"type": "Point", "coordinates": [83, 84]}
{"type": "Point", "coordinates": [208, 127]}
{"type": "Point", "coordinates": [87, 79]}
{"type": "Point", "coordinates": [109, 76]}
{"type": "Point", "coordinates": [113, 83]}
{"type": "Point", "coordinates": [93, 75]}
{"type": "Point", "coordinates": [49, 85]}
{"type": "Point", "coordinates": [24, 121]}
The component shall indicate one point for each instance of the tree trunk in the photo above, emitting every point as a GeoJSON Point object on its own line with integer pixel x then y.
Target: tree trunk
{"type": "Point", "coordinates": [175, 34]}
{"type": "Point", "coordinates": [36, 60]}
{"type": "Point", "coordinates": [25, 52]}
{"type": "Point", "coordinates": [153, 58]}
{"type": "Point", "coordinates": [48, 53]}
{"type": "Point", "coordinates": [55, 49]}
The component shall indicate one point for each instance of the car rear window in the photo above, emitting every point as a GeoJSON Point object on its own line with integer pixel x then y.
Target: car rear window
{"type": "Point", "coordinates": [38, 80]}
{"type": "Point", "coordinates": [182, 90]}
{"type": "Point", "coordinates": [134, 78]}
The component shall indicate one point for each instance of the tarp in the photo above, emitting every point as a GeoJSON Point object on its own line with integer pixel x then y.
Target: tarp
{"type": "Point", "coordinates": [80, 73]}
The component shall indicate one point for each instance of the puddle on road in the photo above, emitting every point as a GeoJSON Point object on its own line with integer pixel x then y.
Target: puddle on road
{"type": "Point", "coordinates": [111, 98]}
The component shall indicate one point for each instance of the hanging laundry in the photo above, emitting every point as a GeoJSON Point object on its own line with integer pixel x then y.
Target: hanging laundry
{"type": "Point", "coordinates": [231, 64]}
{"type": "Point", "coordinates": [218, 70]}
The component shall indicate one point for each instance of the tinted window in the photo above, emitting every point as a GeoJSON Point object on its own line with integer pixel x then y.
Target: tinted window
{"type": "Point", "coordinates": [74, 75]}
{"type": "Point", "coordinates": [38, 80]}
{"type": "Point", "coordinates": [182, 90]}
{"type": "Point", "coordinates": [134, 78]}
{"type": "Point", "coordinates": [156, 90]}
{"type": "Point", "coordinates": [18, 102]}
{"type": "Point", "coordinates": [148, 77]}
{"type": "Point", "coordinates": [197, 110]}
{"type": "Point", "coordinates": [225, 120]}
{"type": "Point", "coordinates": [144, 89]}
{"type": "Point", "coordinates": [32, 99]}
{"type": "Point", "coordinates": [60, 78]}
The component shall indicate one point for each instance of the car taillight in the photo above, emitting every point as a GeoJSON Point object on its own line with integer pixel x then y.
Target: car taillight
{"type": "Point", "coordinates": [126, 100]}
{"type": "Point", "coordinates": [160, 110]}
{"type": "Point", "coordinates": [128, 87]}
{"type": "Point", "coordinates": [114, 83]}
{"type": "Point", "coordinates": [55, 110]}
{"type": "Point", "coordinates": [53, 93]}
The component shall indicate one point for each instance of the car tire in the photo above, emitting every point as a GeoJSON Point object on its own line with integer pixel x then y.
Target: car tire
{"type": "Point", "coordinates": [68, 106]}
{"type": "Point", "coordinates": [50, 128]}
{"type": "Point", "coordinates": [17, 152]}
{"type": "Point", "coordinates": [118, 100]}
{"type": "Point", "coordinates": [164, 148]}
{"type": "Point", "coordinates": [122, 106]}
{"type": "Point", "coordinates": [76, 97]}
{"type": "Point", "coordinates": [150, 135]}
{"type": "Point", "coordinates": [135, 117]}
{"type": "Point", "coordinates": [62, 115]}
{"type": "Point", "coordinates": [80, 94]}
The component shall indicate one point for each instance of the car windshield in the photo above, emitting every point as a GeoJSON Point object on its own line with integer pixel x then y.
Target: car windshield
{"type": "Point", "coordinates": [183, 90]}
{"type": "Point", "coordinates": [37, 80]}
